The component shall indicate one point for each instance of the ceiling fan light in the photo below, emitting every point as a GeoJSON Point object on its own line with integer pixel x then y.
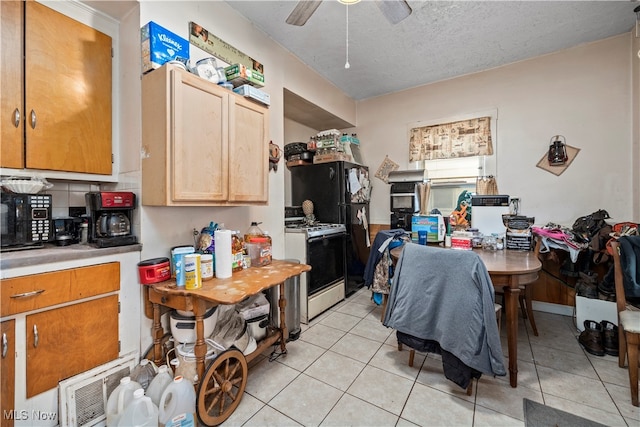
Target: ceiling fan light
{"type": "Point", "coordinates": [348, 2]}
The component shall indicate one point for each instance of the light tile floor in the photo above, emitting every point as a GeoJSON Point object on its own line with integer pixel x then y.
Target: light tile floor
{"type": "Point", "coordinates": [346, 370]}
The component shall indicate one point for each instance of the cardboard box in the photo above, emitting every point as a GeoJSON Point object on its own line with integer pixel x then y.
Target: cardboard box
{"type": "Point", "coordinates": [461, 243]}
{"type": "Point", "coordinates": [253, 93]}
{"type": "Point", "coordinates": [433, 224]}
{"type": "Point", "coordinates": [160, 46]}
{"type": "Point", "coordinates": [332, 157]}
{"type": "Point", "coordinates": [238, 75]}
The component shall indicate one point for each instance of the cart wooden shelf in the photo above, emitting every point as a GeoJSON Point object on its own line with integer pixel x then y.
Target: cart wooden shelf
{"type": "Point", "coordinates": [222, 383]}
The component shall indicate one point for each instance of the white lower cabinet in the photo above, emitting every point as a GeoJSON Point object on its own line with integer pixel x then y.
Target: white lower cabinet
{"type": "Point", "coordinates": [65, 318]}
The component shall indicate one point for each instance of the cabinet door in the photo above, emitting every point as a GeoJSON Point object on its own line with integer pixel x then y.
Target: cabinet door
{"type": "Point", "coordinates": [11, 85]}
{"type": "Point", "coordinates": [7, 371]}
{"type": "Point", "coordinates": [68, 93]}
{"type": "Point", "coordinates": [199, 139]}
{"type": "Point", "coordinates": [66, 341]}
{"type": "Point", "coordinates": [248, 151]}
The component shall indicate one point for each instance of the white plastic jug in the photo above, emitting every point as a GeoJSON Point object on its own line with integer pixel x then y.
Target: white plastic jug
{"type": "Point", "coordinates": [159, 384]}
{"type": "Point", "coordinates": [178, 404]}
{"type": "Point", "coordinates": [141, 412]}
{"type": "Point", "coordinates": [143, 373]}
{"type": "Point", "coordinates": [118, 400]}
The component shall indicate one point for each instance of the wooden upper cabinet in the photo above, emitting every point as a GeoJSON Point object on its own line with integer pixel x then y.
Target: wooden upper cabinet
{"type": "Point", "coordinates": [199, 140]}
{"type": "Point", "coordinates": [11, 85]}
{"type": "Point", "coordinates": [249, 152]}
{"type": "Point", "coordinates": [202, 144]}
{"type": "Point", "coordinates": [67, 108]}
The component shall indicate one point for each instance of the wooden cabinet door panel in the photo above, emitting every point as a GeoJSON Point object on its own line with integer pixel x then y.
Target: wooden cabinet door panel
{"type": "Point", "coordinates": [11, 85]}
{"type": "Point", "coordinates": [70, 340]}
{"type": "Point", "coordinates": [248, 152]}
{"type": "Point", "coordinates": [95, 280]}
{"type": "Point", "coordinates": [32, 292]}
{"type": "Point", "coordinates": [68, 87]}
{"type": "Point", "coordinates": [7, 372]}
{"type": "Point", "coordinates": [198, 139]}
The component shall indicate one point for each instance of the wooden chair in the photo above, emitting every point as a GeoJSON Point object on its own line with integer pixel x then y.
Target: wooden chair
{"type": "Point", "coordinates": [412, 352]}
{"type": "Point", "coordinates": [526, 296]}
{"type": "Point", "coordinates": [628, 327]}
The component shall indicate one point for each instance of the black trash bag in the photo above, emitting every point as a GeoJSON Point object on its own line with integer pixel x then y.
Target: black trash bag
{"type": "Point", "coordinates": [589, 225]}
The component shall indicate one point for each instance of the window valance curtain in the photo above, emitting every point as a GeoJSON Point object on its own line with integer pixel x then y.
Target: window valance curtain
{"type": "Point", "coordinates": [465, 138]}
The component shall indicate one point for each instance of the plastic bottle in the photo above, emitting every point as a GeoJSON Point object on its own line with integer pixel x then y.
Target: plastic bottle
{"type": "Point", "coordinates": [159, 384]}
{"type": "Point", "coordinates": [178, 404]}
{"type": "Point", "coordinates": [141, 412]}
{"type": "Point", "coordinates": [119, 399]}
{"type": "Point", "coordinates": [143, 373]}
{"type": "Point", "coordinates": [253, 231]}
{"type": "Point", "coordinates": [237, 251]}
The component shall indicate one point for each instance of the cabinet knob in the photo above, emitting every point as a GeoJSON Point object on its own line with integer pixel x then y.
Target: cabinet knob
{"type": "Point", "coordinates": [16, 117]}
{"type": "Point", "coordinates": [36, 338]}
{"type": "Point", "coordinates": [33, 119]}
{"type": "Point", "coordinates": [5, 345]}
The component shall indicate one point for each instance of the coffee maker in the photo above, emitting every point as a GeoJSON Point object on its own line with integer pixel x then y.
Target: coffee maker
{"type": "Point", "coordinates": [110, 217]}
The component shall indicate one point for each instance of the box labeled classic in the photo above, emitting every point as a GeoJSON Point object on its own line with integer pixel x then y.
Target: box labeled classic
{"type": "Point", "coordinates": [159, 46]}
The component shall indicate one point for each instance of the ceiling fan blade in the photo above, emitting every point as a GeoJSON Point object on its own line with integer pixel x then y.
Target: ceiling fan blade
{"type": "Point", "coordinates": [302, 12]}
{"type": "Point", "coordinates": [394, 10]}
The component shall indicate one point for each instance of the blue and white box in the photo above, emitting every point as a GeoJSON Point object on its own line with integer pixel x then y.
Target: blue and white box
{"type": "Point", "coordinates": [160, 46]}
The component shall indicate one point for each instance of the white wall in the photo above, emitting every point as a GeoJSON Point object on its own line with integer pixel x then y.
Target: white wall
{"type": "Point", "coordinates": [163, 228]}
{"type": "Point", "coordinates": [582, 93]}
{"type": "Point", "coordinates": [294, 132]}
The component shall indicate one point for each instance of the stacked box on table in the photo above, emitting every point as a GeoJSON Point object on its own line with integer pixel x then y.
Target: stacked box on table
{"type": "Point", "coordinates": [518, 235]}
{"type": "Point", "coordinates": [432, 224]}
{"type": "Point", "coordinates": [159, 46]}
{"type": "Point", "coordinates": [519, 241]}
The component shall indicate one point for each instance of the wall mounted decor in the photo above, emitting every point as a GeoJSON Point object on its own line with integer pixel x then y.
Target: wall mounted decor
{"type": "Point", "coordinates": [385, 167]}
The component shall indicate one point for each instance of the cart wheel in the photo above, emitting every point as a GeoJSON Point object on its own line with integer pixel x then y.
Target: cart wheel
{"type": "Point", "coordinates": [221, 389]}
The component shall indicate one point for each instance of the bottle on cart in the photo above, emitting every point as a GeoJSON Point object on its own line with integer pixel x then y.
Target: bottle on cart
{"type": "Point", "coordinates": [237, 251]}
{"type": "Point", "coordinates": [253, 231]}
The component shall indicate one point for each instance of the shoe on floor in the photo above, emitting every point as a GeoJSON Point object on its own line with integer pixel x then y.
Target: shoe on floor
{"type": "Point", "coordinates": [609, 338]}
{"type": "Point", "coordinates": [591, 338]}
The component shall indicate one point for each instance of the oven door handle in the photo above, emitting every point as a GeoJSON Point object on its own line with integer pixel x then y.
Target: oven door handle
{"type": "Point", "coordinates": [402, 194]}
{"type": "Point", "coordinates": [325, 237]}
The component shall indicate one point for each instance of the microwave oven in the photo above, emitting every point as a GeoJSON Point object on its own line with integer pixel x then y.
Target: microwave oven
{"type": "Point", "coordinates": [25, 220]}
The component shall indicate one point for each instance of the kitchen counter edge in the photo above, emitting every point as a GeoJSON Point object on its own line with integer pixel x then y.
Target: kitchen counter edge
{"type": "Point", "coordinates": [52, 253]}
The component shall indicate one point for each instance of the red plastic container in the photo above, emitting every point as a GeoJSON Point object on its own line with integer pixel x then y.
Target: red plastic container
{"type": "Point", "coordinates": [154, 270]}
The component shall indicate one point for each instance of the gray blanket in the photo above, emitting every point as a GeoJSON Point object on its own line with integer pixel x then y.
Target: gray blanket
{"type": "Point", "coordinates": [447, 296]}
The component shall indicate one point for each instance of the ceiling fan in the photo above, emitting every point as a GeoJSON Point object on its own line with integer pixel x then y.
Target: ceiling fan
{"type": "Point", "coordinates": [394, 10]}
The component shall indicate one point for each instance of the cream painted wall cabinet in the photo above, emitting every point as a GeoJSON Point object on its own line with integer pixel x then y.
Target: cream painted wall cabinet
{"type": "Point", "coordinates": [56, 103]}
{"type": "Point", "coordinates": [203, 145]}
{"type": "Point", "coordinates": [70, 320]}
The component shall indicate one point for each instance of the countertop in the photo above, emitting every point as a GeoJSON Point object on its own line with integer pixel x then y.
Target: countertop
{"type": "Point", "coordinates": [53, 253]}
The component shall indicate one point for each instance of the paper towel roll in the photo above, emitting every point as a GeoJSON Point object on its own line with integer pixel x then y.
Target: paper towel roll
{"type": "Point", "coordinates": [222, 241]}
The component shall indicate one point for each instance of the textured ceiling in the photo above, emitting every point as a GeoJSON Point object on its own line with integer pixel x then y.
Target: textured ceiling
{"type": "Point", "coordinates": [440, 40]}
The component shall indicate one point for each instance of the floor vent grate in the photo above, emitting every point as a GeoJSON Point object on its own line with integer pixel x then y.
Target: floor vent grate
{"type": "Point", "coordinates": [83, 398]}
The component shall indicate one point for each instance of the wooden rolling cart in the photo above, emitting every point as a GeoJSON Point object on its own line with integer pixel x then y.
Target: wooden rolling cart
{"type": "Point", "coordinates": [221, 384]}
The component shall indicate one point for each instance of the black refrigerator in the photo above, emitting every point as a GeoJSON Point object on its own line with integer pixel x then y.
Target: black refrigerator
{"type": "Point", "coordinates": [340, 193]}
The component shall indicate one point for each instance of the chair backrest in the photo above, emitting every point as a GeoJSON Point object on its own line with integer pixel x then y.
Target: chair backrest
{"type": "Point", "coordinates": [621, 302]}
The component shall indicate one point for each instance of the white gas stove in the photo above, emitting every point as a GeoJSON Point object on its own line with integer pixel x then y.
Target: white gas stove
{"type": "Point", "coordinates": [322, 247]}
